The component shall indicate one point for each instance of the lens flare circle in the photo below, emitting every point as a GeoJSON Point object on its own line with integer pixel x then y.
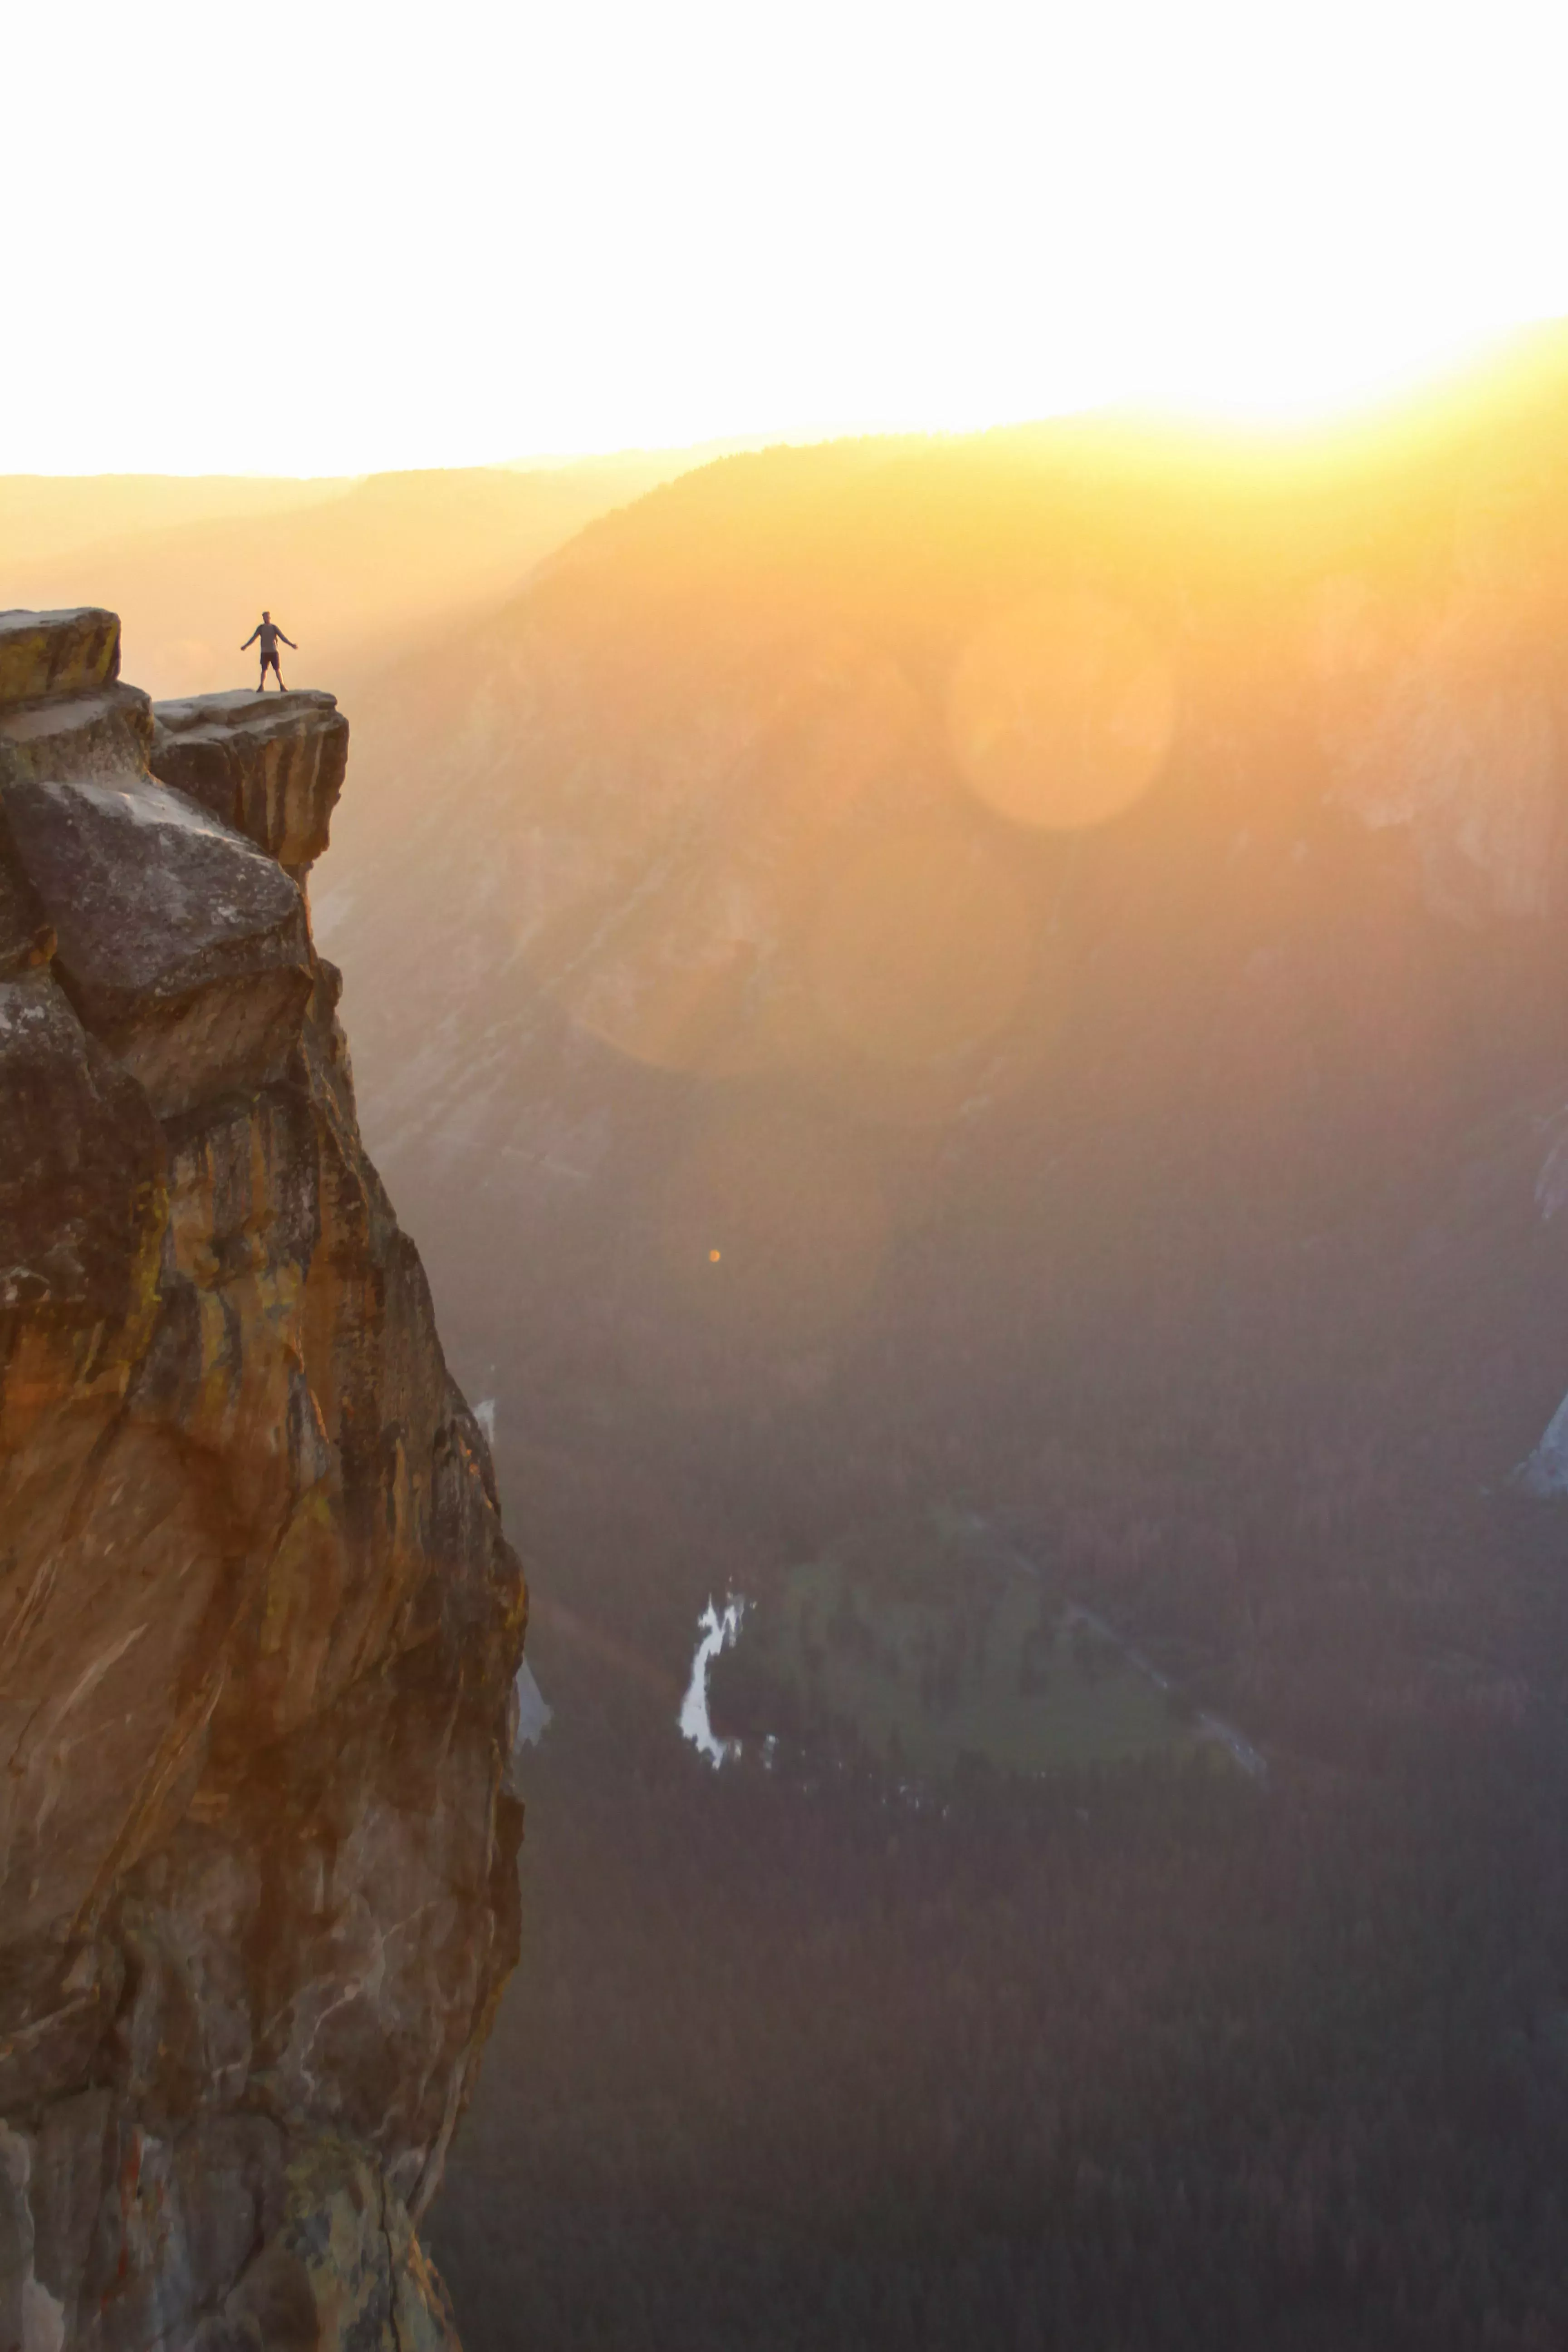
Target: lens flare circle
{"type": "Point", "coordinates": [1061, 710]}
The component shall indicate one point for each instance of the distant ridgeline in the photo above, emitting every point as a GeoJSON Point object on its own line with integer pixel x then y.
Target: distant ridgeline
{"type": "Point", "coordinates": [258, 1622]}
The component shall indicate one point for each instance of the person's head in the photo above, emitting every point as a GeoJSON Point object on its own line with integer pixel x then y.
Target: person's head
{"type": "Point", "coordinates": [265, 615]}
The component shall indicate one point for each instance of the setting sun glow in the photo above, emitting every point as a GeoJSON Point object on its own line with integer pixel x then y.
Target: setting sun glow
{"type": "Point", "coordinates": [348, 241]}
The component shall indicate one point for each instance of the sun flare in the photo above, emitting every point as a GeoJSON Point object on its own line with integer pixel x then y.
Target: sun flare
{"type": "Point", "coordinates": [657, 227]}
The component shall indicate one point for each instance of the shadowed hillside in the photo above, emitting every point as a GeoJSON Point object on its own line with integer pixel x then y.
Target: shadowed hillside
{"type": "Point", "coordinates": [1029, 965]}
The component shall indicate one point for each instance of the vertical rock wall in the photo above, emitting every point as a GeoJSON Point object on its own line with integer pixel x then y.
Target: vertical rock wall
{"type": "Point", "coordinates": [258, 1622]}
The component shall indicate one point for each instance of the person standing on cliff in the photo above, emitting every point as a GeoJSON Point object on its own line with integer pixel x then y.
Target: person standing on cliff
{"type": "Point", "coordinates": [267, 630]}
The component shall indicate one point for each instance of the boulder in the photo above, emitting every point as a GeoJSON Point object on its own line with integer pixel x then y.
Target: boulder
{"type": "Point", "coordinates": [57, 653]}
{"type": "Point", "coordinates": [270, 765]}
{"type": "Point", "coordinates": [98, 734]}
{"type": "Point", "coordinates": [182, 946]}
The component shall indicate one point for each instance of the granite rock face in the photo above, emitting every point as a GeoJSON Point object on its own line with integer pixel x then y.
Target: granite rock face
{"type": "Point", "coordinates": [57, 653]}
{"type": "Point", "coordinates": [271, 765]}
{"type": "Point", "coordinates": [185, 948]}
{"type": "Point", "coordinates": [260, 1626]}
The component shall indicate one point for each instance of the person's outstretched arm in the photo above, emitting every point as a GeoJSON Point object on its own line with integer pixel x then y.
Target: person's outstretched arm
{"type": "Point", "coordinates": [288, 641]}
{"type": "Point", "coordinates": [252, 637]}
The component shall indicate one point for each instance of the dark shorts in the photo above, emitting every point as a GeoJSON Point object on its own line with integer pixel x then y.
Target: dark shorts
{"type": "Point", "coordinates": [269, 661]}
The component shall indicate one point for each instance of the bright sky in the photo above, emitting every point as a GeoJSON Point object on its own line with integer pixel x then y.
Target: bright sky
{"type": "Point", "coordinates": [348, 236]}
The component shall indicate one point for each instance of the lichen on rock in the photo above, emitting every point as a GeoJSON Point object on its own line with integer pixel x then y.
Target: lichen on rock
{"type": "Point", "coordinates": [260, 1626]}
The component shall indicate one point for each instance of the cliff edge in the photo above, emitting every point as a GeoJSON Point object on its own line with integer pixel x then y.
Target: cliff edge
{"type": "Point", "coordinates": [260, 1625]}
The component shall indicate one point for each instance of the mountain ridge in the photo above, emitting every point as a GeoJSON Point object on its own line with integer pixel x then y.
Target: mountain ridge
{"type": "Point", "coordinates": [824, 1116]}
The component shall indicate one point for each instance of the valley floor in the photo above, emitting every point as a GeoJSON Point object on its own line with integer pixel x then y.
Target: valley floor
{"type": "Point", "coordinates": [1155, 2056]}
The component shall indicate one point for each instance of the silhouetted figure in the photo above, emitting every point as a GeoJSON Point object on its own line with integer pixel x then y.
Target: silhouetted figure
{"type": "Point", "coordinates": [267, 630]}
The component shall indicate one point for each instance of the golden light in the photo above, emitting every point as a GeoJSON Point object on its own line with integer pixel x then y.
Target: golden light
{"type": "Point", "coordinates": [684, 978]}
{"type": "Point", "coordinates": [674, 1004]}
{"type": "Point", "coordinates": [1226, 209]}
{"type": "Point", "coordinates": [800, 1211]}
{"type": "Point", "coordinates": [1060, 710]}
{"type": "Point", "coordinates": [920, 948]}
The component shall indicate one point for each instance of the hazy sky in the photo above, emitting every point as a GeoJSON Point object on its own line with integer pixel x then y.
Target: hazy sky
{"type": "Point", "coordinates": [343, 237]}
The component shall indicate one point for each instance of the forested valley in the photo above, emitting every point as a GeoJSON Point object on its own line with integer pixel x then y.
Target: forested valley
{"type": "Point", "coordinates": [1157, 2056]}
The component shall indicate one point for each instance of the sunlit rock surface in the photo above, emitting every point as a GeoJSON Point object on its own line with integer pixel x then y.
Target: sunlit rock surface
{"type": "Point", "coordinates": [57, 653]}
{"type": "Point", "coordinates": [271, 765]}
{"type": "Point", "coordinates": [260, 1627]}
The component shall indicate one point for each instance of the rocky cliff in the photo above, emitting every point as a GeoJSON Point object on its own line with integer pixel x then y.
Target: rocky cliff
{"type": "Point", "coordinates": [260, 1625]}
